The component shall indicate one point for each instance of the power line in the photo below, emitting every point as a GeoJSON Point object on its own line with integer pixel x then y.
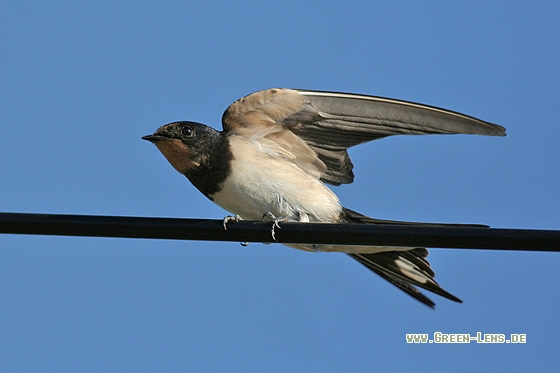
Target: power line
{"type": "Point", "coordinates": [310, 233]}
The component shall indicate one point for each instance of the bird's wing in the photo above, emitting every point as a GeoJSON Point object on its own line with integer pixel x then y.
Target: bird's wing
{"type": "Point", "coordinates": [313, 129]}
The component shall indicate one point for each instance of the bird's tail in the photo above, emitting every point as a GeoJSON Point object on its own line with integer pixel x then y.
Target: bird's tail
{"type": "Point", "coordinates": [405, 269]}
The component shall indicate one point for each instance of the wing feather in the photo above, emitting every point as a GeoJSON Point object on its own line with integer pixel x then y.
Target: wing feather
{"type": "Point", "coordinates": [328, 123]}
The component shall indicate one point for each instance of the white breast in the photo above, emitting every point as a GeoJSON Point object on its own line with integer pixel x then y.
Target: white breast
{"type": "Point", "coordinates": [261, 183]}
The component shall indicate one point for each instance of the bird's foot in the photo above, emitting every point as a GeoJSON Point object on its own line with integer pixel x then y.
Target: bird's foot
{"type": "Point", "coordinates": [236, 219]}
{"type": "Point", "coordinates": [269, 216]}
{"type": "Point", "coordinates": [229, 218]}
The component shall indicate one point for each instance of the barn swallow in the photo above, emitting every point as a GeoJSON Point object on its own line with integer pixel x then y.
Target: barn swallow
{"type": "Point", "coordinates": [278, 149]}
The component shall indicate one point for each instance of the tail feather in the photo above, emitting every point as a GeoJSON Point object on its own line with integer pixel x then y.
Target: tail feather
{"type": "Point", "coordinates": [403, 285]}
{"type": "Point", "coordinates": [393, 267]}
{"type": "Point", "coordinates": [404, 269]}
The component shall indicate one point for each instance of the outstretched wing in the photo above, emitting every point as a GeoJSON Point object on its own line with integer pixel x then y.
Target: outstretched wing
{"type": "Point", "coordinates": [313, 129]}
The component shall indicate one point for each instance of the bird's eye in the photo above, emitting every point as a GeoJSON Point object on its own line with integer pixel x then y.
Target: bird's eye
{"type": "Point", "coordinates": [187, 131]}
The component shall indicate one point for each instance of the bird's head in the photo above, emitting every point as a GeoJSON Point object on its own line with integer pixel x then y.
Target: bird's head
{"type": "Point", "coordinates": [185, 144]}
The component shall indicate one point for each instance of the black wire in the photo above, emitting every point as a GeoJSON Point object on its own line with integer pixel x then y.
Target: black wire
{"type": "Point", "coordinates": [249, 231]}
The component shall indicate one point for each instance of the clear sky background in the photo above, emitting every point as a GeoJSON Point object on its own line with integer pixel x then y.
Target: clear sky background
{"type": "Point", "coordinates": [81, 82]}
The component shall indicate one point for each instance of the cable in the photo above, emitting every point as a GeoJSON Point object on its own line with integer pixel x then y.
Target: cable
{"type": "Point", "coordinates": [250, 231]}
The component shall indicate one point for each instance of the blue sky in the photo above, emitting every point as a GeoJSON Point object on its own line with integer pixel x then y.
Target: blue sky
{"type": "Point", "coordinates": [82, 82]}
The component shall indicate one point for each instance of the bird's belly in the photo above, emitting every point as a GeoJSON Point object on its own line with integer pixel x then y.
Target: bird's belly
{"type": "Point", "coordinates": [260, 184]}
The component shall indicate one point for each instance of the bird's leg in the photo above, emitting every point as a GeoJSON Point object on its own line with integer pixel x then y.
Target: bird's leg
{"type": "Point", "coordinates": [229, 218]}
{"type": "Point", "coordinates": [269, 216]}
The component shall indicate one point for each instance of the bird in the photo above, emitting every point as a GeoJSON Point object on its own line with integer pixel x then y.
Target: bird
{"type": "Point", "coordinates": [279, 148]}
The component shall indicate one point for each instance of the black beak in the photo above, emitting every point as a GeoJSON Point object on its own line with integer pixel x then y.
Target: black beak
{"type": "Point", "coordinates": [152, 138]}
